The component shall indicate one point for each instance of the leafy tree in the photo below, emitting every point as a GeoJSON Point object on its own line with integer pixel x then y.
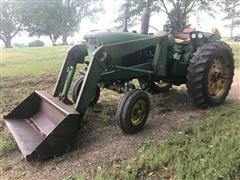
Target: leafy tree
{"type": "Point", "coordinates": [39, 18]}
{"type": "Point", "coordinates": [58, 18]}
{"type": "Point", "coordinates": [232, 8]}
{"type": "Point", "coordinates": [11, 22]}
{"type": "Point", "coordinates": [177, 11]}
{"type": "Point", "coordinates": [135, 10]}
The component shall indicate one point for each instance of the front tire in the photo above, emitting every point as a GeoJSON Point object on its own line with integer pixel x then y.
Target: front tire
{"type": "Point", "coordinates": [133, 110]}
{"type": "Point", "coordinates": [210, 74]}
{"type": "Point", "coordinates": [76, 89]}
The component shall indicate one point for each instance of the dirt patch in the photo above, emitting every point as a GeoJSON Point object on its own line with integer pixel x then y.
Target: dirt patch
{"type": "Point", "coordinates": [234, 95]}
{"type": "Point", "coordinates": [102, 144]}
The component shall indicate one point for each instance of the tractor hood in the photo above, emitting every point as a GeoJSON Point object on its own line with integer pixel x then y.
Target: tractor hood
{"type": "Point", "coordinates": [96, 39]}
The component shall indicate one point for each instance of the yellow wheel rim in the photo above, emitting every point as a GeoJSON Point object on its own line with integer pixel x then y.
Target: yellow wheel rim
{"type": "Point", "coordinates": [218, 77]}
{"type": "Point", "coordinates": [138, 112]}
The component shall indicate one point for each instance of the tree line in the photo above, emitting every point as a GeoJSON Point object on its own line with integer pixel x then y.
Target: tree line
{"type": "Point", "coordinates": [55, 19]}
{"type": "Point", "coordinates": [62, 18]}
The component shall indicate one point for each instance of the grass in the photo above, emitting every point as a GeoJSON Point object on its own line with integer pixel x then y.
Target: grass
{"type": "Point", "coordinates": [32, 62]}
{"type": "Point", "coordinates": [18, 62]}
{"type": "Point", "coordinates": [236, 49]}
{"type": "Point", "coordinates": [206, 150]}
{"type": "Point", "coordinates": [7, 144]}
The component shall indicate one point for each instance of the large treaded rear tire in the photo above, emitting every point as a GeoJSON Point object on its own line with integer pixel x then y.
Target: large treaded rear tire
{"type": "Point", "coordinates": [199, 70]}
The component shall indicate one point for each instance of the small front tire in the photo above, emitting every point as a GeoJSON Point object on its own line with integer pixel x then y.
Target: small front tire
{"type": "Point", "coordinates": [133, 110]}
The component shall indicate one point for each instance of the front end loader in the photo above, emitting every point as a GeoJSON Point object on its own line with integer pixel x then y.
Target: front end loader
{"type": "Point", "coordinates": [45, 126]}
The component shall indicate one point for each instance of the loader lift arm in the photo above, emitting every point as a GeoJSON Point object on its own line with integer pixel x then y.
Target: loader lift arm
{"type": "Point", "coordinates": [103, 59]}
{"type": "Point", "coordinates": [75, 55]}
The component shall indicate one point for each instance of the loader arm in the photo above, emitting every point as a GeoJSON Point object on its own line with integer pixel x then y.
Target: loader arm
{"type": "Point", "coordinates": [75, 55]}
{"type": "Point", "coordinates": [103, 59]}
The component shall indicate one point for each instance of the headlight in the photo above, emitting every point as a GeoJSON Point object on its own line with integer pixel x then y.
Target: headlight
{"type": "Point", "coordinates": [193, 35]}
{"type": "Point", "coordinates": [200, 35]}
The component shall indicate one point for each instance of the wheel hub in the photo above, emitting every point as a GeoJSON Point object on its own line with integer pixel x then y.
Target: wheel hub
{"type": "Point", "coordinates": [138, 112]}
{"type": "Point", "coordinates": [218, 77]}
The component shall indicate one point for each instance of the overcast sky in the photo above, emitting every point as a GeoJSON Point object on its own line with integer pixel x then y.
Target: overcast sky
{"type": "Point", "coordinates": [106, 20]}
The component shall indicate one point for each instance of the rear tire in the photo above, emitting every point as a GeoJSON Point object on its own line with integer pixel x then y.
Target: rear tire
{"type": "Point", "coordinates": [210, 74]}
{"type": "Point", "coordinates": [133, 110]}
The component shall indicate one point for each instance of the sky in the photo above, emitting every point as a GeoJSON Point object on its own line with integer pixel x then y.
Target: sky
{"type": "Point", "coordinates": [106, 21]}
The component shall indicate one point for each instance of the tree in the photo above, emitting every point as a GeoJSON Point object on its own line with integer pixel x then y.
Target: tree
{"type": "Point", "coordinates": [232, 8]}
{"type": "Point", "coordinates": [58, 18]}
{"type": "Point", "coordinates": [146, 17]}
{"type": "Point", "coordinates": [177, 11]}
{"type": "Point", "coordinates": [11, 22]}
{"type": "Point", "coordinates": [39, 18]}
{"type": "Point", "coordinates": [135, 10]}
{"type": "Point", "coordinates": [72, 13]}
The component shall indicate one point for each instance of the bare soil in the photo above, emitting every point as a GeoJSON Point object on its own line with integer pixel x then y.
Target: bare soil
{"type": "Point", "coordinates": [234, 95]}
{"type": "Point", "coordinates": [101, 144]}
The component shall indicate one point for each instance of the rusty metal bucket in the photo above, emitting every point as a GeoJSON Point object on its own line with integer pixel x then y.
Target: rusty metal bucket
{"type": "Point", "coordinates": [43, 126]}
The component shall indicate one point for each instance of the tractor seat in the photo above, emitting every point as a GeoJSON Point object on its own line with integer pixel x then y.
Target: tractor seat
{"type": "Point", "coordinates": [184, 37]}
{"type": "Point", "coordinates": [179, 38]}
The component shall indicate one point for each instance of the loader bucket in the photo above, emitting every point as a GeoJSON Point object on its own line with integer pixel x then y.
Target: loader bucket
{"type": "Point", "coordinates": [43, 126]}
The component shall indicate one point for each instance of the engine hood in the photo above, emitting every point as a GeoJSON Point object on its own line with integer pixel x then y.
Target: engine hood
{"type": "Point", "coordinates": [114, 37]}
{"type": "Point", "coordinates": [96, 39]}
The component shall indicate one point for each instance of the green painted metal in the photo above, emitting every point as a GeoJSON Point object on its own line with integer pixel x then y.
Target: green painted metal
{"type": "Point", "coordinates": [120, 73]}
{"type": "Point", "coordinates": [71, 71]}
{"type": "Point", "coordinates": [105, 38]}
{"type": "Point", "coordinates": [116, 37]}
{"type": "Point", "coordinates": [169, 60]}
{"type": "Point", "coordinates": [75, 55]}
{"type": "Point", "coordinates": [103, 59]}
{"type": "Point", "coordinates": [119, 50]}
{"type": "Point", "coordinates": [183, 52]}
{"type": "Point", "coordinates": [160, 58]}
{"type": "Point", "coordinates": [90, 82]}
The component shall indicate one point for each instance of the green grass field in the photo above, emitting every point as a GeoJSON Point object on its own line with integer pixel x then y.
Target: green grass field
{"type": "Point", "coordinates": [34, 62]}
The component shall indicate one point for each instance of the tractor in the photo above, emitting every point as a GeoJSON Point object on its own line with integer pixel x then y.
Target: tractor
{"type": "Point", "coordinates": [46, 125]}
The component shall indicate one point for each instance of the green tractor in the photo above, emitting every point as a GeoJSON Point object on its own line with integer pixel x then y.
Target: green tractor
{"type": "Point", "coordinates": [46, 125]}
